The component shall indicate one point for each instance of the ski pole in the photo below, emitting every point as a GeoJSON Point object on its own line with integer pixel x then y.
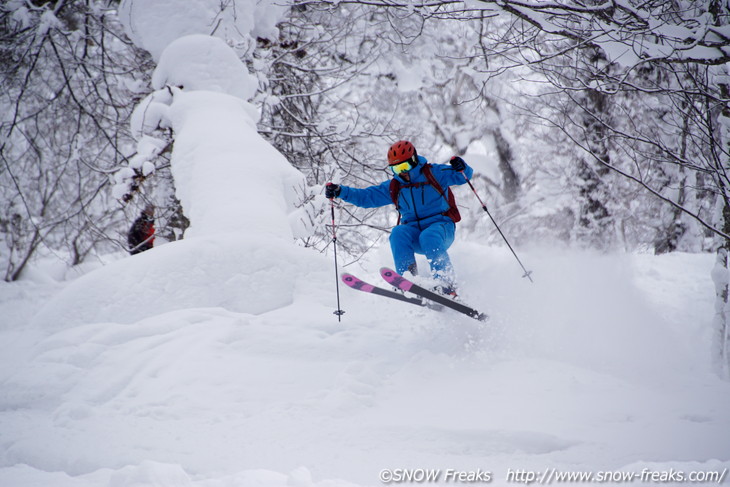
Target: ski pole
{"type": "Point", "coordinates": [484, 207]}
{"type": "Point", "coordinates": [339, 312]}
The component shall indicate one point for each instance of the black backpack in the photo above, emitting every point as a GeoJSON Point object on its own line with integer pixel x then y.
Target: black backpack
{"type": "Point", "coordinates": [452, 212]}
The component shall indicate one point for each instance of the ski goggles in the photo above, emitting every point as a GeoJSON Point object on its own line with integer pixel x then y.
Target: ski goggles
{"type": "Point", "coordinates": [402, 167]}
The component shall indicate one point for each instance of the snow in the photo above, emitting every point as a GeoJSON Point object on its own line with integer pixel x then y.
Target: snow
{"type": "Point", "coordinates": [150, 113]}
{"type": "Point", "coordinates": [201, 62]}
{"type": "Point", "coordinates": [20, 13]}
{"type": "Point", "coordinates": [48, 21]}
{"type": "Point", "coordinates": [238, 181]}
{"type": "Point", "coordinates": [216, 361]}
{"type": "Point", "coordinates": [410, 77]}
{"type": "Point", "coordinates": [125, 291]}
{"type": "Point", "coordinates": [239, 21]}
{"type": "Point", "coordinates": [142, 378]}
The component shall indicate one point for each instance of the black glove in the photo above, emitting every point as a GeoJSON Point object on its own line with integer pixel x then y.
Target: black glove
{"type": "Point", "coordinates": [457, 163]}
{"type": "Point", "coordinates": [332, 190]}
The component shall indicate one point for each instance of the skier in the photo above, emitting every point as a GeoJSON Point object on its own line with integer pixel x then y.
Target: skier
{"type": "Point", "coordinates": [141, 236]}
{"type": "Point", "coordinates": [427, 212]}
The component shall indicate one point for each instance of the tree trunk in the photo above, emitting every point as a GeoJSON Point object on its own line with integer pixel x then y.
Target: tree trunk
{"type": "Point", "coordinates": [721, 271]}
{"type": "Point", "coordinates": [721, 278]}
{"type": "Point", "coordinates": [510, 179]}
{"type": "Point", "coordinates": [595, 222]}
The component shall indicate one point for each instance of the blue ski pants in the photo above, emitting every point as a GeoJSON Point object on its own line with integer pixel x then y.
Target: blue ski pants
{"type": "Point", "coordinates": [432, 241]}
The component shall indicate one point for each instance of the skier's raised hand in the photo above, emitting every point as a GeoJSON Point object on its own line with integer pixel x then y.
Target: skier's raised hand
{"type": "Point", "coordinates": [457, 163]}
{"type": "Point", "coordinates": [332, 190]}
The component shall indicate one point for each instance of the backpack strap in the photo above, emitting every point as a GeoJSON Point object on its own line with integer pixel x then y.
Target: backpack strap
{"type": "Point", "coordinates": [453, 211]}
{"type": "Point", "coordinates": [432, 180]}
{"type": "Point", "coordinates": [394, 191]}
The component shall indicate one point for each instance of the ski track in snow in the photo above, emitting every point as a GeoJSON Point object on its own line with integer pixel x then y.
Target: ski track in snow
{"type": "Point", "coordinates": [601, 364]}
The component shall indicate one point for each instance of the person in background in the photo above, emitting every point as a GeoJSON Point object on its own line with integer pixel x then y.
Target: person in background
{"type": "Point", "coordinates": [427, 211]}
{"type": "Point", "coordinates": [141, 236]}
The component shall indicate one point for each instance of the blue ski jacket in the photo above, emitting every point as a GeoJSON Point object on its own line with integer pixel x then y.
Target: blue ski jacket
{"type": "Point", "coordinates": [419, 202]}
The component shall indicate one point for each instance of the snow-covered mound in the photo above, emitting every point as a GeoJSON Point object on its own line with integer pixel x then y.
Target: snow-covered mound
{"type": "Point", "coordinates": [241, 273]}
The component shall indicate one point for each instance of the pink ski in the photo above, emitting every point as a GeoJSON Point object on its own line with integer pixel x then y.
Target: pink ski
{"type": "Point", "coordinates": [401, 282]}
{"type": "Point", "coordinates": [361, 285]}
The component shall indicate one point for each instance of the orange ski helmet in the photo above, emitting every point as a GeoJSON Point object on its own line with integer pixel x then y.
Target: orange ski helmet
{"type": "Point", "coordinates": [401, 151]}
